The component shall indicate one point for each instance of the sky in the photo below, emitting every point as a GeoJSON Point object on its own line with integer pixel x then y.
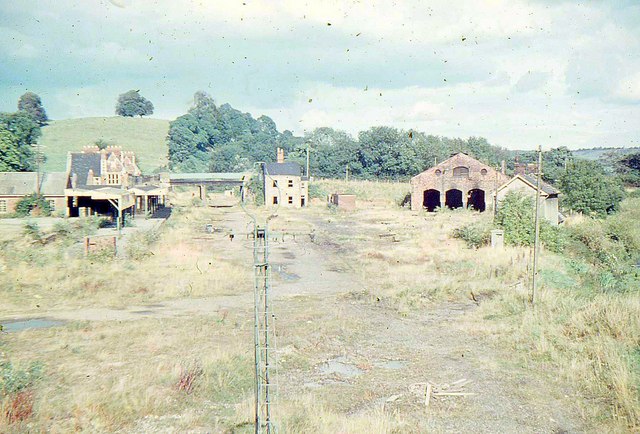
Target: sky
{"type": "Point", "coordinates": [520, 73]}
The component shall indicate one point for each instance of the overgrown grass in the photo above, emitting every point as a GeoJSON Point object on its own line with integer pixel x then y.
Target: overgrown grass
{"type": "Point", "coordinates": [56, 272]}
{"type": "Point", "coordinates": [579, 328]}
{"type": "Point", "coordinates": [376, 193]}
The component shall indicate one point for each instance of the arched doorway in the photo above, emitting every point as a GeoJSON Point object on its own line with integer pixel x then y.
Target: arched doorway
{"type": "Point", "coordinates": [476, 200]}
{"type": "Point", "coordinates": [431, 200]}
{"type": "Point", "coordinates": [453, 199]}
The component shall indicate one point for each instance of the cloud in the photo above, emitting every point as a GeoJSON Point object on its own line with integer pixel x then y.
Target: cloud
{"type": "Point", "coordinates": [532, 81]}
{"type": "Point", "coordinates": [518, 72]}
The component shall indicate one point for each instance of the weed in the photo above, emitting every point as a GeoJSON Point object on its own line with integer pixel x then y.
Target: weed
{"type": "Point", "coordinates": [32, 230]}
{"type": "Point", "coordinates": [189, 376]}
{"type": "Point", "coordinates": [16, 394]}
{"type": "Point", "coordinates": [20, 407]}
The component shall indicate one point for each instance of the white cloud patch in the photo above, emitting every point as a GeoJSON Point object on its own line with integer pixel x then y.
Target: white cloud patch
{"type": "Point", "coordinates": [521, 73]}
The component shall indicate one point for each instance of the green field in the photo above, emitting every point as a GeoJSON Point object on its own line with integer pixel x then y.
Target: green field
{"type": "Point", "coordinates": [146, 137]}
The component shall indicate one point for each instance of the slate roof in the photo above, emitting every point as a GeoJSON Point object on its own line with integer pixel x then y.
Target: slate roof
{"type": "Point", "coordinates": [24, 183]}
{"type": "Point", "coordinates": [80, 165]}
{"type": "Point", "coordinates": [222, 176]}
{"type": "Point", "coordinates": [532, 181]}
{"type": "Point", "coordinates": [286, 169]}
{"type": "Point", "coordinates": [53, 184]}
{"type": "Point", "coordinates": [543, 186]}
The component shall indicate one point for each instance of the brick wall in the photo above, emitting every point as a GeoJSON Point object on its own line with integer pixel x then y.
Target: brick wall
{"type": "Point", "coordinates": [459, 172]}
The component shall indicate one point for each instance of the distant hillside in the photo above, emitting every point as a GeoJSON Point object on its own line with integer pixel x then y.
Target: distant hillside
{"type": "Point", "coordinates": [596, 153]}
{"type": "Point", "coordinates": [146, 137]}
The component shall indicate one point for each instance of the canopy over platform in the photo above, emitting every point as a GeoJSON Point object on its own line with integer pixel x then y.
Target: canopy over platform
{"type": "Point", "coordinates": [206, 178]}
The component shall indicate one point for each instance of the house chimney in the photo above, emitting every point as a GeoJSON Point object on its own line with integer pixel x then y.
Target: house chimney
{"type": "Point", "coordinates": [280, 155]}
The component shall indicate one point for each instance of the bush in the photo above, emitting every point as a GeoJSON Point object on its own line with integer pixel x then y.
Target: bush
{"type": "Point", "coordinates": [32, 230]}
{"type": "Point", "coordinates": [317, 192]}
{"type": "Point", "coordinates": [13, 380]}
{"type": "Point", "coordinates": [475, 235]}
{"type": "Point", "coordinates": [516, 216]}
{"type": "Point", "coordinates": [62, 229]}
{"type": "Point", "coordinates": [138, 247]}
{"type": "Point", "coordinates": [256, 188]}
{"type": "Point", "coordinates": [33, 204]}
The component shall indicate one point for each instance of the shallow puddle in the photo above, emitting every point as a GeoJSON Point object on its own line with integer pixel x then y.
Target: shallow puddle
{"type": "Point", "coordinates": [340, 367]}
{"type": "Point", "coordinates": [28, 324]}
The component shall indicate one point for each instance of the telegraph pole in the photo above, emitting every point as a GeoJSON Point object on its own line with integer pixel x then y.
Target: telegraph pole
{"type": "Point", "coordinates": [308, 146]}
{"type": "Point", "coordinates": [346, 175]}
{"type": "Point", "coordinates": [536, 241]}
{"type": "Point", "coordinates": [38, 168]}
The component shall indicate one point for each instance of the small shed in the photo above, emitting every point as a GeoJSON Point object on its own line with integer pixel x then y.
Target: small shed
{"type": "Point", "coordinates": [343, 201]}
{"type": "Point", "coordinates": [527, 185]}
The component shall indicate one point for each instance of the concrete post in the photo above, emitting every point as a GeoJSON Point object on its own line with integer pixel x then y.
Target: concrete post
{"type": "Point", "coordinates": [497, 238]}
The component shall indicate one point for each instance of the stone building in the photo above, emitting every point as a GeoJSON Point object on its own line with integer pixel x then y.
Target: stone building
{"type": "Point", "coordinates": [16, 185]}
{"type": "Point", "coordinates": [527, 185]}
{"type": "Point", "coordinates": [284, 184]}
{"type": "Point", "coordinates": [458, 182]}
{"type": "Point", "coordinates": [104, 182]}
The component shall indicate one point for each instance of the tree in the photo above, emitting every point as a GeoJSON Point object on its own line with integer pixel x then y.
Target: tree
{"type": "Point", "coordinates": [19, 132]}
{"type": "Point", "coordinates": [132, 104]}
{"type": "Point", "coordinates": [628, 167]}
{"type": "Point", "coordinates": [31, 103]}
{"type": "Point", "coordinates": [588, 189]}
{"type": "Point", "coordinates": [554, 163]}
{"type": "Point", "coordinates": [9, 153]}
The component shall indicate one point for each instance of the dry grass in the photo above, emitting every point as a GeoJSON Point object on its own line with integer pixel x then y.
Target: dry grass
{"type": "Point", "coordinates": [194, 372]}
{"type": "Point", "coordinates": [183, 263]}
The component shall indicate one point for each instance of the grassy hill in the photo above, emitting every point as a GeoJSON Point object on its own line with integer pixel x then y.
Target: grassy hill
{"type": "Point", "coordinates": [146, 137]}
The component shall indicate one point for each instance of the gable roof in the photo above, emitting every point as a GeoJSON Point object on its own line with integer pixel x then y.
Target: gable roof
{"type": "Point", "coordinates": [81, 163]}
{"type": "Point", "coordinates": [532, 182]}
{"type": "Point", "coordinates": [24, 183]}
{"type": "Point", "coordinates": [288, 169]}
{"type": "Point", "coordinates": [459, 159]}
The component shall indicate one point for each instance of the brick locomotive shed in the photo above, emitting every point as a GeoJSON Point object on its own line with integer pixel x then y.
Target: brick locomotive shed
{"type": "Point", "coordinates": [458, 182]}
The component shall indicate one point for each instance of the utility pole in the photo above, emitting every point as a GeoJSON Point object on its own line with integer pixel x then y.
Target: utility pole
{"type": "Point", "coordinates": [536, 241]}
{"type": "Point", "coordinates": [346, 175]}
{"type": "Point", "coordinates": [38, 168]}
{"type": "Point", "coordinates": [308, 146]}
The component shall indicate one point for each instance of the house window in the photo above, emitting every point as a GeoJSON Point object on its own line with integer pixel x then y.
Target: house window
{"type": "Point", "coordinates": [113, 178]}
{"type": "Point", "coordinates": [460, 172]}
{"type": "Point", "coordinates": [3, 206]}
{"type": "Point", "coordinates": [52, 205]}
{"type": "Point", "coordinates": [302, 201]}
{"type": "Point", "coordinates": [290, 200]}
{"type": "Point", "coordinates": [483, 172]}
{"type": "Point", "coordinates": [275, 184]}
{"type": "Point", "coordinates": [275, 200]}
{"type": "Point", "coordinates": [291, 183]}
